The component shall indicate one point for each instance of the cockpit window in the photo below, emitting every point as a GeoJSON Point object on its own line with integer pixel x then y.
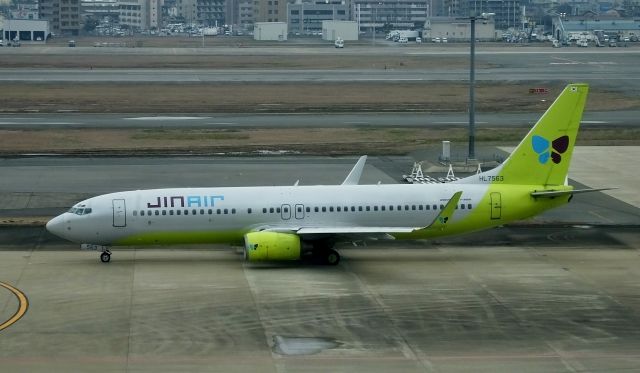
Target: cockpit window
{"type": "Point", "coordinates": [80, 210]}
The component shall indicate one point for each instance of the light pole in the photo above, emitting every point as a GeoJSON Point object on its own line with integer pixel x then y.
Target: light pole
{"type": "Point", "coordinates": [472, 85]}
{"type": "Point", "coordinates": [373, 24]}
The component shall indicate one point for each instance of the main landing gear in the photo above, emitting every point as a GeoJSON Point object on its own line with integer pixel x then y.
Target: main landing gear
{"type": "Point", "coordinates": [322, 253]}
{"type": "Point", "coordinates": [105, 257]}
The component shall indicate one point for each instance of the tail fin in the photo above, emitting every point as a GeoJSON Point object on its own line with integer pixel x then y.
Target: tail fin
{"type": "Point", "coordinates": [543, 157]}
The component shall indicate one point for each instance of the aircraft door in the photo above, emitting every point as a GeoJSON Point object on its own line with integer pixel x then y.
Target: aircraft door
{"type": "Point", "coordinates": [299, 211]}
{"type": "Point", "coordinates": [285, 212]}
{"type": "Point", "coordinates": [119, 213]}
{"type": "Point", "coordinates": [496, 205]}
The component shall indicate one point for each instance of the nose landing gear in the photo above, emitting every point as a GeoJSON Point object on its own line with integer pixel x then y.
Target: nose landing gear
{"type": "Point", "coordinates": [105, 257]}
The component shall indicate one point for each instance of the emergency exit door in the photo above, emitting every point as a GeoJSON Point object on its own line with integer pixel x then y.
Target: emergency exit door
{"type": "Point", "coordinates": [119, 213]}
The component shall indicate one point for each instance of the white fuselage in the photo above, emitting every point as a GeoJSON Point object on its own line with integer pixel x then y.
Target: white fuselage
{"type": "Point", "coordinates": [225, 214]}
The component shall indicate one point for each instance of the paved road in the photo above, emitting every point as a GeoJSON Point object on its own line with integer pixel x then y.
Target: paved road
{"type": "Point", "coordinates": [629, 118]}
{"type": "Point", "coordinates": [584, 72]}
{"type": "Point", "coordinates": [606, 68]}
{"type": "Point", "coordinates": [516, 299]}
{"type": "Point", "coordinates": [49, 185]}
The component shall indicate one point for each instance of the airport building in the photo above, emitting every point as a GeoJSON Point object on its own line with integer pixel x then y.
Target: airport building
{"type": "Point", "coordinates": [457, 30]}
{"type": "Point", "coordinates": [205, 12]}
{"type": "Point", "coordinates": [400, 14]}
{"type": "Point", "coordinates": [270, 10]}
{"type": "Point", "coordinates": [100, 8]}
{"type": "Point", "coordinates": [306, 18]}
{"type": "Point", "coordinates": [612, 26]}
{"type": "Point", "coordinates": [507, 13]}
{"type": "Point", "coordinates": [345, 30]}
{"type": "Point", "coordinates": [63, 15]}
{"type": "Point", "coordinates": [140, 14]}
{"type": "Point", "coordinates": [25, 30]}
{"type": "Point", "coordinates": [270, 31]}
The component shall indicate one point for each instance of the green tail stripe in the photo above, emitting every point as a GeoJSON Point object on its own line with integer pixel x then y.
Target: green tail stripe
{"type": "Point", "coordinates": [543, 157]}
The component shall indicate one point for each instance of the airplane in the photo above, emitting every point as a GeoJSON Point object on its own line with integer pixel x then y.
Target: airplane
{"type": "Point", "coordinates": [282, 223]}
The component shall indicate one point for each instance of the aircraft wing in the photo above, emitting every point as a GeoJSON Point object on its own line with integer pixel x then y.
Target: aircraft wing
{"type": "Point", "coordinates": [354, 176]}
{"type": "Point", "coordinates": [439, 222]}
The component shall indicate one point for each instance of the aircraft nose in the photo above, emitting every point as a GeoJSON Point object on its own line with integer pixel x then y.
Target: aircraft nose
{"type": "Point", "coordinates": [56, 226]}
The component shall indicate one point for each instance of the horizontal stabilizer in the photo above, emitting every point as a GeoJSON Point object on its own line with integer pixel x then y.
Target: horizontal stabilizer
{"type": "Point", "coordinates": [557, 193]}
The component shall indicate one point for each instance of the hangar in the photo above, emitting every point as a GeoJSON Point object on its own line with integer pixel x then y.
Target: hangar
{"type": "Point", "coordinates": [270, 31]}
{"type": "Point", "coordinates": [25, 30]}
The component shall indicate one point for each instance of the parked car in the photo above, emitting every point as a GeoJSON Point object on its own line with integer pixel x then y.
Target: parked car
{"type": "Point", "coordinates": [418, 40]}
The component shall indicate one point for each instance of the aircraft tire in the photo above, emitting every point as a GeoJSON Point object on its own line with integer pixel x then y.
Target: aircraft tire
{"type": "Point", "coordinates": [332, 257]}
{"type": "Point", "coordinates": [105, 257]}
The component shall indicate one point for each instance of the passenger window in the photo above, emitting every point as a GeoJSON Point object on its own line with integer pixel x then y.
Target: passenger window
{"type": "Point", "coordinates": [149, 212]}
{"type": "Point", "coordinates": [135, 213]}
{"type": "Point", "coordinates": [383, 207]}
{"type": "Point", "coordinates": [331, 209]}
{"type": "Point", "coordinates": [278, 210]}
{"type": "Point", "coordinates": [406, 207]}
{"type": "Point", "coordinates": [308, 209]}
{"type": "Point", "coordinates": [353, 208]}
{"type": "Point", "coordinates": [286, 209]}
{"type": "Point", "coordinates": [426, 207]}
{"type": "Point", "coordinates": [186, 212]}
{"type": "Point", "coordinates": [338, 209]}
{"type": "Point", "coordinates": [435, 207]}
{"type": "Point", "coordinates": [316, 209]}
{"type": "Point", "coordinates": [324, 209]}
{"type": "Point", "coordinates": [420, 207]}
{"type": "Point", "coordinates": [170, 212]}
{"type": "Point", "coordinates": [226, 211]}
{"type": "Point", "coordinates": [141, 213]}
{"type": "Point", "coordinates": [264, 210]}
{"type": "Point", "coordinates": [249, 210]}
{"type": "Point", "coordinates": [441, 207]}
{"type": "Point", "coordinates": [164, 212]}
{"type": "Point", "coordinates": [390, 207]}
{"type": "Point", "coordinates": [368, 208]}
{"type": "Point", "coordinates": [178, 212]}
{"type": "Point", "coordinates": [413, 207]}
{"type": "Point", "coordinates": [233, 211]}
{"type": "Point", "coordinates": [399, 207]}
{"type": "Point", "coordinates": [359, 208]}
{"type": "Point", "coordinates": [201, 211]}
{"type": "Point", "coordinates": [375, 208]}
{"type": "Point", "coordinates": [469, 206]}
{"type": "Point", "coordinates": [218, 211]}
{"type": "Point", "coordinates": [462, 206]}
{"type": "Point", "coordinates": [210, 211]}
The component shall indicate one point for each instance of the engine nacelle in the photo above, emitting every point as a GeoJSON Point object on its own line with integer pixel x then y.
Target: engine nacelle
{"type": "Point", "coordinates": [271, 246]}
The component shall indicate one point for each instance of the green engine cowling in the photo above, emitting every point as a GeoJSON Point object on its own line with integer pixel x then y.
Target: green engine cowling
{"type": "Point", "coordinates": [271, 246]}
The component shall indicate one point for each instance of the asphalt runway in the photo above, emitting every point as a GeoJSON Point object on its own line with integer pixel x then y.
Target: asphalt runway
{"type": "Point", "coordinates": [605, 68]}
{"type": "Point", "coordinates": [606, 119]}
{"type": "Point", "coordinates": [587, 73]}
{"type": "Point", "coordinates": [557, 294]}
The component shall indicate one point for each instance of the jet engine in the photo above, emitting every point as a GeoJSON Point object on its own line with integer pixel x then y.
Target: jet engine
{"type": "Point", "coordinates": [271, 246]}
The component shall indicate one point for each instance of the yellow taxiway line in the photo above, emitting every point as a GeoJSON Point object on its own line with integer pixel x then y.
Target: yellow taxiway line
{"type": "Point", "coordinates": [22, 309]}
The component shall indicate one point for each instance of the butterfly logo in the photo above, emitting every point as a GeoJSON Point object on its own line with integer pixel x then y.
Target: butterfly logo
{"type": "Point", "coordinates": [558, 147]}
